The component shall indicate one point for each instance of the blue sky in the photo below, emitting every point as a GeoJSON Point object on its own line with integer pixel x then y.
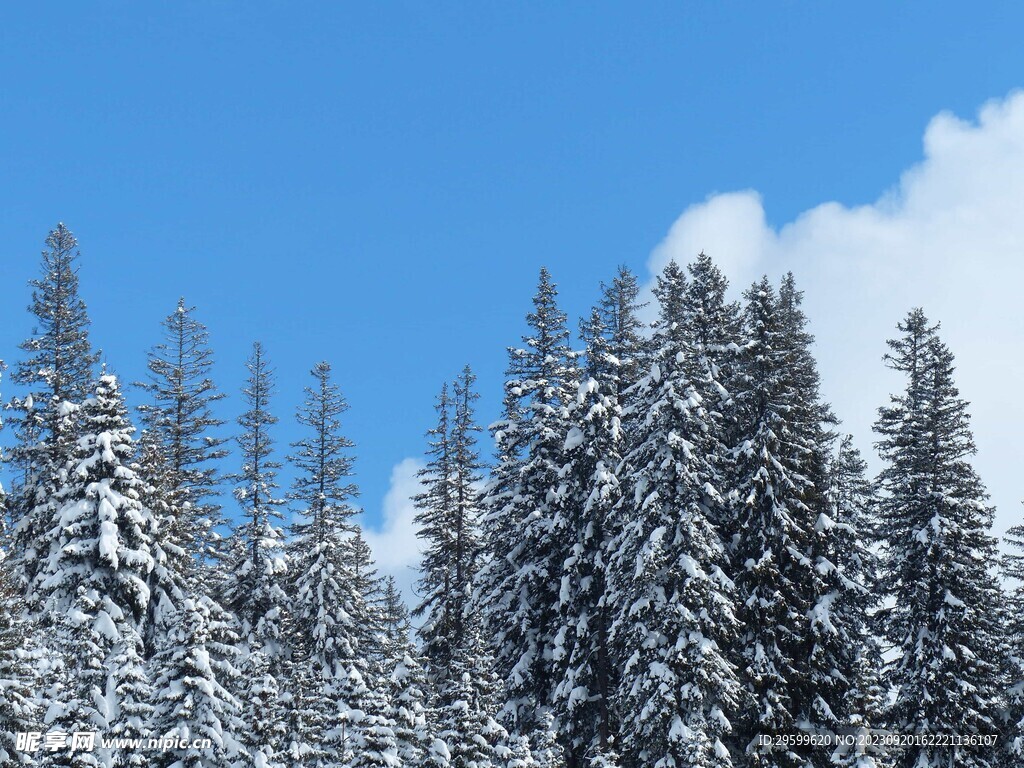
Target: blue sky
{"type": "Point", "coordinates": [377, 184]}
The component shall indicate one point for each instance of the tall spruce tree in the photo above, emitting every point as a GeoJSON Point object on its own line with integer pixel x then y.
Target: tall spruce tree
{"type": "Point", "coordinates": [713, 326]}
{"type": "Point", "coordinates": [938, 558]}
{"type": "Point", "coordinates": [587, 505]}
{"type": "Point", "coordinates": [57, 371]}
{"type": "Point", "coordinates": [255, 584]}
{"type": "Point", "coordinates": [327, 607]}
{"type": "Point", "coordinates": [20, 709]}
{"type": "Point", "coordinates": [1013, 571]}
{"type": "Point", "coordinates": [191, 700]}
{"type": "Point", "coordinates": [853, 500]}
{"type": "Point", "coordinates": [519, 582]}
{"type": "Point", "coordinates": [254, 588]}
{"type": "Point", "coordinates": [181, 417]}
{"type": "Point", "coordinates": [448, 519]}
{"type": "Point", "coordinates": [98, 563]}
{"type": "Point", "coordinates": [676, 617]}
{"type": "Point", "coordinates": [782, 550]}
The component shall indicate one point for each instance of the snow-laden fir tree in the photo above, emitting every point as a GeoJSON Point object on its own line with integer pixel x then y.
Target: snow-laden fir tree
{"type": "Point", "coordinates": [623, 330]}
{"type": "Point", "coordinates": [853, 498]}
{"type": "Point", "coordinates": [1013, 626]}
{"type": "Point", "coordinates": [396, 625]}
{"type": "Point", "coordinates": [78, 700]}
{"type": "Point", "coordinates": [93, 580]}
{"type": "Point", "coordinates": [448, 520]}
{"type": "Point", "coordinates": [372, 626]}
{"type": "Point", "coordinates": [712, 325]}
{"type": "Point", "coordinates": [466, 703]}
{"type": "Point", "coordinates": [327, 607]}
{"type": "Point", "coordinates": [254, 587]}
{"type": "Point", "coordinates": [411, 712]}
{"type": "Point", "coordinates": [782, 538]}
{"type": "Point", "coordinates": [675, 617]}
{"type": "Point", "coordinates": [190, 699]}
{"type": "Point", "coordinates": [371, 735]}
{"type": "Point", "coordinates": [180, 415]}
{"type": "Point", "coordinates": [131, 717]}
{"type": "Point", "coordinates": [587, 504]}
{"type": "Point", "coordinates": [57, 371]}
{"type": "Point", "coordinates": [938, 558]}
{"type": "Point", "coordinates": [519, 582]}
{"type": "Point", "coordinates": [19, 679]}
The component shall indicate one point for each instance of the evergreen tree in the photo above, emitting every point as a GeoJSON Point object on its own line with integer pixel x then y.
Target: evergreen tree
{"type": "Point", "coordinates": [19, 708]}
{"type": "Point", "coordinates": [1013, 621]}
{"type": "Point", "coordinates": [397, 627]}
{"type": "Point", "coordinates": [181, 417]}
{"type": "Point", "coordinates": [448, 522]}
{"type": "Point", "coordinates": [782, 552]}
{"type": "Point", "coordinates": [254, 588]}
{"type": "Point", "coordinates": [100, 537]}
{"type": "Point", "coordinates": [467, 701]}
{"type": "Point", "coordinates": [622, 331]}
{"type": "Point", "coordinates": [57, 371]}
{"type": "Point", "coordinates": [853, 499]}
{"type": "Point", "coordinates": [191, 701]}
{"type": "Point", "coordinates": [327, 606]}
{"type": "Point", "coordinates": [519, 582]}
{"type": "Point", "coordinates": [676, 618]}
{"type": "Point", "coordinates": [938, 556]}
{"type": "Point", "coordinates": [713, 326]}
{"type": "Point", "coordinates": [586, 523]}
{"type": "Point", "coordinates": [132, 716]}
{"type": "Point", "coordinates": [83, 633]}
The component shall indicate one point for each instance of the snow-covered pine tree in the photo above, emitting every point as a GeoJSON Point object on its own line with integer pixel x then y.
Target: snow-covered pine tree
{"type": "Point", "coordinates": [254, 587]}
{"type": "Point", "coordinates": [372, 735]}
{"type": "Point", "coordinates": [623, 330]}
{"type": "Point", "coordinates": [57, 370]}
{"type": "Point", "coordinates": [519, 582]}
{"type": "Point", "coordinates": [396, 624]}
{"type": "Point", "coordinates": [99, 537]}
{"type": "Point", "coordinates": [371, 628]}
{"type": "Point", "coordinates": [82, 702]}
{"type": "Point", "coordinates": [448, 521]}
{"type": "Point", "coordinates": [1013, 572]}
{"type": "Point", "coordinates": [131, 716]}
{"type": "Point", "coordinates": [181, 417]}
{"type": "Point", "coordinates": [19, 680]}
{"type": "Point", "coordinates": [713, 326]}
{"type": "Point", "coordinates": [782, 538]}
{"type": "Point", "coordinates": [327, 607]}
{"type": "Point", "coordinates": [938, 557]}
{"type": "Point", "coordinates": [853, 498]}
{"type": "Point", "coordinates": [675, 617]}
{"type": "Point", "coordinates": [190, 700]}
{"type": "Point", "coordinates": [93, 579]}
{"type": "Point", "coordinates": [585, 671]}
{"type": "Point", "coordinates": [435, 505]}
{"type": "Point", "coordinates": [466, 703]}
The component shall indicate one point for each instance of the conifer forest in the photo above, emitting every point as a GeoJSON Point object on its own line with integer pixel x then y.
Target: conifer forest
{"type": "Point", "coordinates": [664, 552]}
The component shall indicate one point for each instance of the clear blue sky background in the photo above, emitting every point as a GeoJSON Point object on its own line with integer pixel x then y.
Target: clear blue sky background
{"type": "Point", "coordinates": [377, 184]}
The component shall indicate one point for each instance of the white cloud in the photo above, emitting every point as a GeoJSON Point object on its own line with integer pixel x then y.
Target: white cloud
{"type": "Point", "coordinates": [394, 543]}
{"type": "Point", "coordinates": [949, 237]}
